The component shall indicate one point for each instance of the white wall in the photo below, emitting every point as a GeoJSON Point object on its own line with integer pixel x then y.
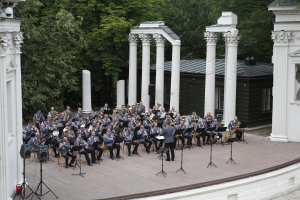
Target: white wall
{"type": "Point", "coordinates": [266, 186]}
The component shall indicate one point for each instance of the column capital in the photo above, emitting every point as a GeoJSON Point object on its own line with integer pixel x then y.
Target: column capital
{"type": "Point", "coordinates": [146, 38]}
{"type": "Point", "coordinates": [210, 37]}
{"type": "Point", "coordinates": [231, 37]}
{"type": "Point", "coordinates": [17, 40]}
{"type": "Point", "coordinates": [281, 37]}
{"type": "Point", "coordinates": [133, 38]}
{"type": "Point", "coordinates": [159, 39]}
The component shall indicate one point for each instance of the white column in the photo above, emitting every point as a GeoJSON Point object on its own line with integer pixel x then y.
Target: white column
{"type": "Point", "coordinates": [4, 167]}
{"type": "Point", "coordinates": [280, 93]}
{"type": "Point", "coordinates": [146, 39]}
{"type": "Point", "coordinates": [86, 92]}
{"type": "Point", "coordinates": [120, 93]}
{"type": "Point", "coordinates": [133, 38]}
{"type": "Point", "coordinates": [175, 77]}
{"type": "Point", "coordinates": [160, 56]}
{"type": "Point", "coordinates": [231, 40]}
{"type": "Point", "coordinates": [211, 42]}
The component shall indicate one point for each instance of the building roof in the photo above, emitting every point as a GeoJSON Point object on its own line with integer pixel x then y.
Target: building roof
{"type": "Point", "coordinates": [198, 66]}
{"type": "Point", "coordinates": [283, 3]}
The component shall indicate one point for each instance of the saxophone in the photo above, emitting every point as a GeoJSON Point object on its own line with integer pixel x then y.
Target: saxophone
{"type": "Point", "coordinates": [232, 133]}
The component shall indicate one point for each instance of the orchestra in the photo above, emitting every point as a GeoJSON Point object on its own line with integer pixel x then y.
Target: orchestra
{"type": "Point", "coordinates": [107, 129]}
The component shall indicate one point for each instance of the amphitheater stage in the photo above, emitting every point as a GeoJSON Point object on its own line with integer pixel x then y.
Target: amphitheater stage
{"type": "Point", "coordinates": [135, 177]}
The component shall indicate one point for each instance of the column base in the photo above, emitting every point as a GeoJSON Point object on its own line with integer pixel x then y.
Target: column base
{"type": "Point", "coordinates": [276, 138]}
{"type": "Point", "coordinates": [87, 111]}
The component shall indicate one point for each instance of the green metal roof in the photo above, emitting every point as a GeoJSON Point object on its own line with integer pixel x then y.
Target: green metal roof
{"type": "Point", "coordinates": [284, 3]}
{"type": "Point", "coordinates": [198, 66]}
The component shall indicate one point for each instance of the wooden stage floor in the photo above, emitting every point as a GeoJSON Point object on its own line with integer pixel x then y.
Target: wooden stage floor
{"type": "Point", "coordinates": [138, 174]}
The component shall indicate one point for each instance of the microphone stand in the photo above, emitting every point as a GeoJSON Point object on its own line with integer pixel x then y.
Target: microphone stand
{"type": "Point", "coordinates": [162, 163]}
{"type": "Point", "coordinates": [181, 162]}
{"type": "Point", "coordinates": [230, 159]}
{"type": "Point", "coordinates": [211, 164]}
{"type": "Point", "coordinates": [79, 166]}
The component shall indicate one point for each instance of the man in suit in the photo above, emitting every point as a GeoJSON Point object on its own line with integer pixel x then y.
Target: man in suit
{"type": "Point", "coordinates": [168, 133]}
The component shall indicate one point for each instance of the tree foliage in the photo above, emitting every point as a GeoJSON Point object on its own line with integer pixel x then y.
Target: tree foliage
{"type": "Point", "coordinates": [62, 37]}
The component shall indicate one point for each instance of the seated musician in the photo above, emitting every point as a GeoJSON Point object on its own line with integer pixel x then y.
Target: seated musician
{"type": "Point", "coordinates": [180, 129]}
{"type": "Point", "coordinates": [147, 123]}
{"type": "Point", "coordinates": [209, 118]}
{"type": "Point", "coordinates": [83, 148]}
{"type": "Point", "coordinates": [155, 131]}
{"type": "Point", "coordinates": [66, 152]}
{"type": "Point", "coordinates": [109, 141]}
{"type": "Point", "coordinates": [214, 127]}
{"type": "Point", "coordinates": [188, 134]}
{"type": "Point", "coordinates": [83, 131]}
{"type": "Point", "coordinates": [128, 135]}
{"type": "Point", "coordinates": [177, 119]}
{"type": "Point", "coordinates": [105, 109]}
{"type": "Point", "coordinates": [173, 111]}
{"type": "Point", "coordinates": [234, 126]}
{"type": "Point", "coordinates": [202, 125]}
{"type": "Point", "coordinates": [141, 108]}
{"type": "Point", "coordinates": [35, 142]}
{"type": "Point", "coordinates": [95, 144]}
{"type": "Point", "coordinates": [143, 138]}
{"type": "Point", "coordinates": [192, 117]}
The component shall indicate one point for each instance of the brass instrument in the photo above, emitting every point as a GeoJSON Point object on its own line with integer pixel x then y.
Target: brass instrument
{"type": "Point", "coordinates": [232, 133]}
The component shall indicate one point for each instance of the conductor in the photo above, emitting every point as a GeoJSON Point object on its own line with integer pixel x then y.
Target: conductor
{"type": "Point", "coordinates": [168, 133]}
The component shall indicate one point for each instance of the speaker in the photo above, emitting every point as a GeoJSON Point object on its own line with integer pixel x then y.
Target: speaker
{"type": "Point", "coordinates": [42, 153]}
{"type": "Point", "coordinates": [25, 151]}
{"type": "Point", "coordinates": [151, 90]}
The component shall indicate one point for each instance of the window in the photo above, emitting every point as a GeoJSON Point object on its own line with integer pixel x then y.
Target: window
{"type": "Point", "coordinates": [297, 83]}
{"type": "Point", "coordinates": [219, 98]}
{"type": "Point", "coordinates": [266, 99]}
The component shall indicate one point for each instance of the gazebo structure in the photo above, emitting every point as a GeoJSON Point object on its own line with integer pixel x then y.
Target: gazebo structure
{"type": "Point", "coordinates": [227, 26]}
{"type": "Point", "coordinates": [159, 32]}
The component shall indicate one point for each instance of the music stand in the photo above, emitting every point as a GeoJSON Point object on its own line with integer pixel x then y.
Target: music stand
{"type": "Point", "coordinates": [80, 173]}
{"type": "Point", "coordinates": [162, 156]}
{"type": "Point", "coordinates": [230, 159]}
{"type": "Point", "coordinates": [181, 162]}
{"type": "Point", "coordinates": [211, 164]}
{"type": "Point", "coordinates": [243, 126]}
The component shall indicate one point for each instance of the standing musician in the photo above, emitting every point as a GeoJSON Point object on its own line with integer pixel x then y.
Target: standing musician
{"type": "Point", "coordinates": [168, 133]}
{"type": "Point", "coordinates": [203, 126]}
{"type": "Point", "coordinates": [234, 126]}
{"type": "Point", "coordinates": [95, 144]}
{"type": "Point", "coordinates": [192, 117]}
{"type": "Point", "coordinates": [52, 113]}
{"type": "Point", "coordinates": [105, 109]}
{"type": "Point", "coordinates": [67, 114]}
{"type": "Point", "coordinates": [83, 148]}
{"type": "Point", "coordinates": [141, 108]}
{"type": "Point", "coordinates": [143, 138]}
{"type": "Point", "coordinates": [66, 152]}
{"type": "Point", "coordinates": [38, 118]}
{"type": "Point", "coordinates": [109, 141]}
{"type": "Point", "coordinates": [79, 114]}
{"type": "Point", "coordinates": [128, 135]}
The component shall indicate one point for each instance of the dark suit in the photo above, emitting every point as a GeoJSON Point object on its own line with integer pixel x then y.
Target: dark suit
{"type": "Point", "coordinates": [168, 132]}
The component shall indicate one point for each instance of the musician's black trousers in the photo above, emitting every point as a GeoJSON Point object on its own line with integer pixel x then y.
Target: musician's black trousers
{"type": "Point", "coordinates": [147, 145]}
{"type": "Point", "coordinates": [129, 148]}
{"type": "Point", "coordinates": [189, 138]}
{"type": "Point", "coordinates": [100, 150]}
{"type": "Point", "coordinates": [203, 135]}
{"type": "Point", "coordinates": [111, 150]}
{"type": "Point", "coordinates": [180, 137]}
{"type": "Point", "coordinates": [136, 146]}
{"type": "Point", "coordinates": [170, 146]}
{"type": "Point", "coordinates": [86, 154]}
{"type": "Point", "coordinates": [73, 157]}
{"type": "Point", "coordinates": [239, 135]}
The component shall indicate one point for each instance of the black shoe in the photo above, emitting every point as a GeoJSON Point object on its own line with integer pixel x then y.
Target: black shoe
{"type": "Point", "coordinates": [94, 162]}
{"type": "Point", "coordinates": [100, 159]}
{"type": "Point", "coordinates": [118, 156]}
{"type": "Point", "coordinates": [90, 164]}
{"type": "Point", "coordinates": [67, 166]}
{"type": "Point", "coordinates": [112, 158]}
{"type": "Point", "coordinates": [172, 159]}
{"type": "Point", "coordinates": [134, 152]}
{"type": "Point", "coordinates": [167, 160]}
{"type": "Point", "coordinates": [71, 165]}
